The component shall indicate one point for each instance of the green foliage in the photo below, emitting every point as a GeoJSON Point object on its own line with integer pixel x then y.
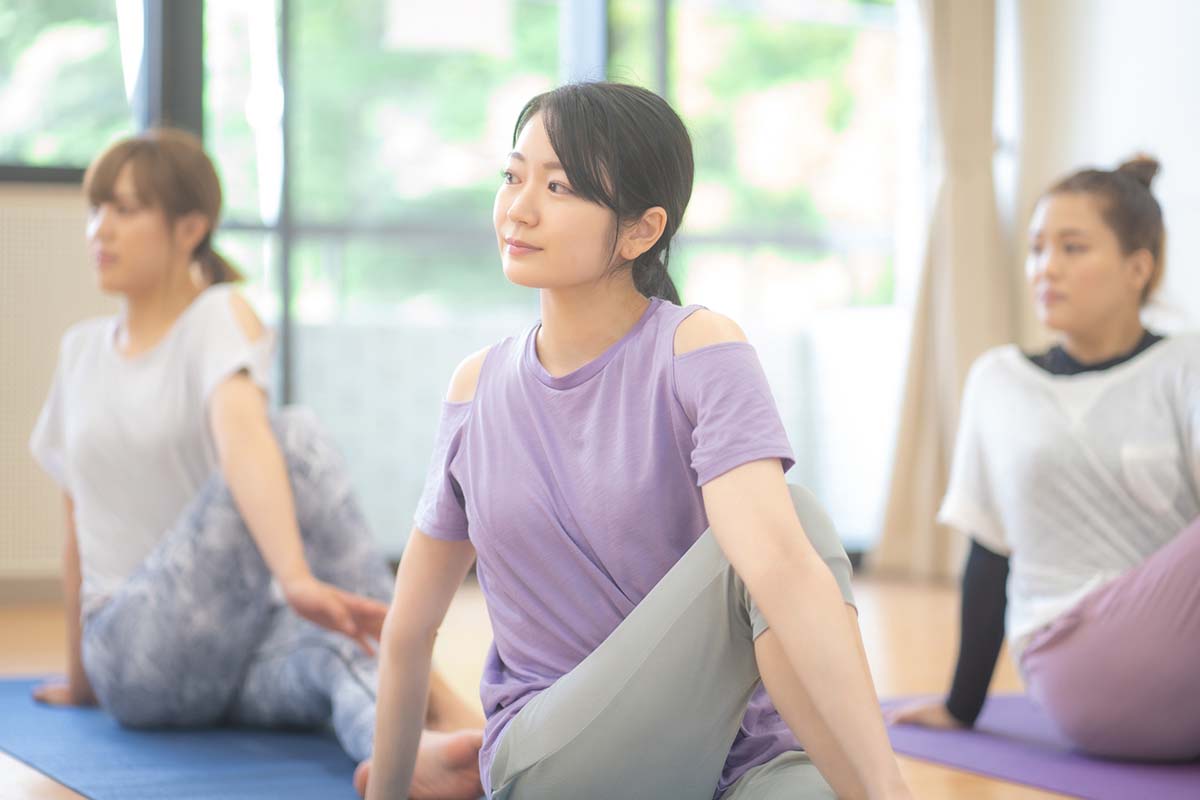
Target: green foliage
{"type": "Point", "coordinates": [767, 52]}
{"type": "Point", "coordinates": [631, 42]}
{"type": "Point", "coordinates": [350, 91]}
{"type": "Point", "coordinates": [78, 104]}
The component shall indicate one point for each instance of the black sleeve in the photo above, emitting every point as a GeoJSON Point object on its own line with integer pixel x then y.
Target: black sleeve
{"type": "Point", "coordinates": [984, 597]}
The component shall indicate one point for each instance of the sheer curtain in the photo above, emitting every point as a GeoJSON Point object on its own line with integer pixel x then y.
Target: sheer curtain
{"type": "Point", "coordinates": [964, 302]}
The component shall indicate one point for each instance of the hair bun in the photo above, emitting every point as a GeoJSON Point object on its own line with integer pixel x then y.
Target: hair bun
{"type": "Point", "coordinates": [1142, 168]}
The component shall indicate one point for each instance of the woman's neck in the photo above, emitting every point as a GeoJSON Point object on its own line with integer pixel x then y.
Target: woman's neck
{"type": "Point", "coordinates": [1112, 341]}
{"type": "Point", "coordinates": [148, 315]}
{"type": "Point", "coordinates": [580, 323]}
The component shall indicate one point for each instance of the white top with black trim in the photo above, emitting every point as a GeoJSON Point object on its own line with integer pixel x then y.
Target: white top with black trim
{"type": "Point", "coordinates": [1076, 478]}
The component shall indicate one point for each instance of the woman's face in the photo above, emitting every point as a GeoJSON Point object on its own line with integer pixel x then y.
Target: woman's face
{"type": "Point", "coordinates": [1081, 279]}
{"type": "Point", "coordinates": [549, 237]}
{"type": "Point", "coordinates": [131, 244]}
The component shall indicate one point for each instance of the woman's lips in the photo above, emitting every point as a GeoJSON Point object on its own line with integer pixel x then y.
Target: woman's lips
{"type": "Point", "coordinates": [515, 247]}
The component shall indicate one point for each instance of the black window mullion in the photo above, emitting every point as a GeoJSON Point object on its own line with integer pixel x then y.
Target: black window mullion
{"type": "Point", "coordinates": [170, 88]}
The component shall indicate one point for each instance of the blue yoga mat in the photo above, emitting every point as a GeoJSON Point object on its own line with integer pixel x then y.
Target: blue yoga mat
{"type": "Point", "coordinates": [1013, 740]}
{"type": "Point", "coordinates": [87, 751]}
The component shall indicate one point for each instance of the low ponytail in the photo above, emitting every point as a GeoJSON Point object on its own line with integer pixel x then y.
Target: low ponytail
{"type": "Point", "coordinates": [651, 278]}
{"type": "Point", "coordinates": [214, 266]}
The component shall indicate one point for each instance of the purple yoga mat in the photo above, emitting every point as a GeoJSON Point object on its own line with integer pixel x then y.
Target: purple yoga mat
{"type": "Point", "coordinates": [1014, 741]}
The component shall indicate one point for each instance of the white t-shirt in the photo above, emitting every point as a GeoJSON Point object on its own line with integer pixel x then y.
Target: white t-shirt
{"type": "Point", "coordinates": [128, 437]}
{"type": "Point", "coordinates": [1077, 478]}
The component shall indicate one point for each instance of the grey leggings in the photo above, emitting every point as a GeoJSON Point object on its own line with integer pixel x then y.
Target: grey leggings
{"type": "Point", "coordinates": [195, 637]}
{"type": "Point", "coordinates": [653, 711]}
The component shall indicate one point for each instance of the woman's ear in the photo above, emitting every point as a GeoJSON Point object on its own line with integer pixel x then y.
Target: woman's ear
{"type": "Point", "coordinates": [1141, 268]}
{"type": "Point", "coordinates": [190, 230]}
{"type": "Point", "coordinates": [640, 235]}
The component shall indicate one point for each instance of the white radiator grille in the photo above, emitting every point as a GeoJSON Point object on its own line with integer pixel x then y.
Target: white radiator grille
{"type": "Point", "coordinates": [45, 286]}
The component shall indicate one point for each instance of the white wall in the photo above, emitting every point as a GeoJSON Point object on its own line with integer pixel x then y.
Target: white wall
{"type": "Point", "coordinates": [45, 286]}
{"type": "Point", "coordinates": [1099, 80]}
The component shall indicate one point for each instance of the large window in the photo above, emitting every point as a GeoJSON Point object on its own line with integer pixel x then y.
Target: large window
{"type": "Point", "coordinates": [360, 145]}
{"type": "Point", "coordinates": [64, 94]}
{"type": "Point", "coordinates": [377, 224]}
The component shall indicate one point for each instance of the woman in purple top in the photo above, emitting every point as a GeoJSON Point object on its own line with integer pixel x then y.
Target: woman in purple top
{"type": "Point", "coordinates": [617, 475]}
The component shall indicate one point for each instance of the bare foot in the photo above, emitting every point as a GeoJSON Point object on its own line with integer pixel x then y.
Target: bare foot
{"type": "Point", "coordinates": [447, 767]}
{"type": "Point", "coordinates": [361, 773]}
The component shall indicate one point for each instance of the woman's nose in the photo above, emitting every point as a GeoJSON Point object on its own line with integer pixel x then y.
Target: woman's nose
{"type": "Point", "coordinates": [522, 209]}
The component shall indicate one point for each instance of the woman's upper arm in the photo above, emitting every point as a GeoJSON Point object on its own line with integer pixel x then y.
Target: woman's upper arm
{"type": "Point", "coordinates": [236, 405]}
{"type": "Point", "coordinates": [431, 570]}
{"type": "Point", "coordinates": [753, 519]}
{"type": "Point", "coordinates": [237, 400]}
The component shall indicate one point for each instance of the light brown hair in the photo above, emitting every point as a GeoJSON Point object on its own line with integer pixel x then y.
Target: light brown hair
{"type": "Point", "coordinates": [171, 172]}
{"type": "Point", "coordinates": [1129, 208]}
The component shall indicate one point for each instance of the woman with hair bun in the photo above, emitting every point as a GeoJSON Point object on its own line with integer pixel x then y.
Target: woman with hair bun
{"type": "Point", "coordinates": [1077, 476]}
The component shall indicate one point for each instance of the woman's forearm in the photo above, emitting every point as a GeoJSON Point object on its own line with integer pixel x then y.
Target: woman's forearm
{"type": "Point", "coordinates": [981, 631]}
{"type": "Point", "coordinates": [404, 669]}
{"type": "Point", "coordinates": [77, 679]}
{"type": "Point", "coordinates": [255, 470]}
{"type": "Point", "coordinates": [805, 609]}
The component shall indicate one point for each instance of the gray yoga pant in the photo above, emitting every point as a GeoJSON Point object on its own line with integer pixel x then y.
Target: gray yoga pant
{"type": "Point", "coordinates": [196, 638]}
{"type": "Point", "coordinates": [653, 711]}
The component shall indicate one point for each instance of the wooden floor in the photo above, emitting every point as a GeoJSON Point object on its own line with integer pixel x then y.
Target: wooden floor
{"type": "Point", "coordinates": [909, 632]}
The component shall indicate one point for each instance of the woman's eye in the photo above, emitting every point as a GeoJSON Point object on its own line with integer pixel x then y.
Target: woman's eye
{"type": "Point", "coordinates": [559, 188]}
{"type": "Point", "coordinates": [1074, 248]}
{"type": "Point", "coordinates": [508, 177]}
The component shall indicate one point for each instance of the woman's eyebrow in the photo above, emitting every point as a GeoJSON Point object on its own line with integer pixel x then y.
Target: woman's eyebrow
{"type": "Point", "coordinates": [549, 166]}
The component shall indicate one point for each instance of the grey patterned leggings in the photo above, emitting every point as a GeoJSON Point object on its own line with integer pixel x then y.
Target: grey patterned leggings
{"type": "Point", "coordinates": [195, 637]}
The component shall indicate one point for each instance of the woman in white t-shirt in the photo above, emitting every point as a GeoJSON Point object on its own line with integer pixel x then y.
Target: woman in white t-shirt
{"type": "Point", "coordinates": [1077, 476]}
{"type": "Point", "coordinates": [187, 503]}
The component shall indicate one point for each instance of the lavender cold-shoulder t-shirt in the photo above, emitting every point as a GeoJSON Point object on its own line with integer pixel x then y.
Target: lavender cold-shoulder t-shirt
{"type": "Point", "coordinates": [580, 492]}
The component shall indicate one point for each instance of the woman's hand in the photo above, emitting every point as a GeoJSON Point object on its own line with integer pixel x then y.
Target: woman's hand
{"type": "Point", "coordinates": [62, 693]}
{"type": "Point", "coordinates": [927, 713]}
{"type": "Point", "coordinates": [330, 607]}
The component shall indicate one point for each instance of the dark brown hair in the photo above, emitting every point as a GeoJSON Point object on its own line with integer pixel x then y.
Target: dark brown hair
{"type": "Point", "coordinates": [171, 172]}
{"type": "Point", "coordinates": [1129, 208]}
{"type": "Point", "coordinates": [624, 148]}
